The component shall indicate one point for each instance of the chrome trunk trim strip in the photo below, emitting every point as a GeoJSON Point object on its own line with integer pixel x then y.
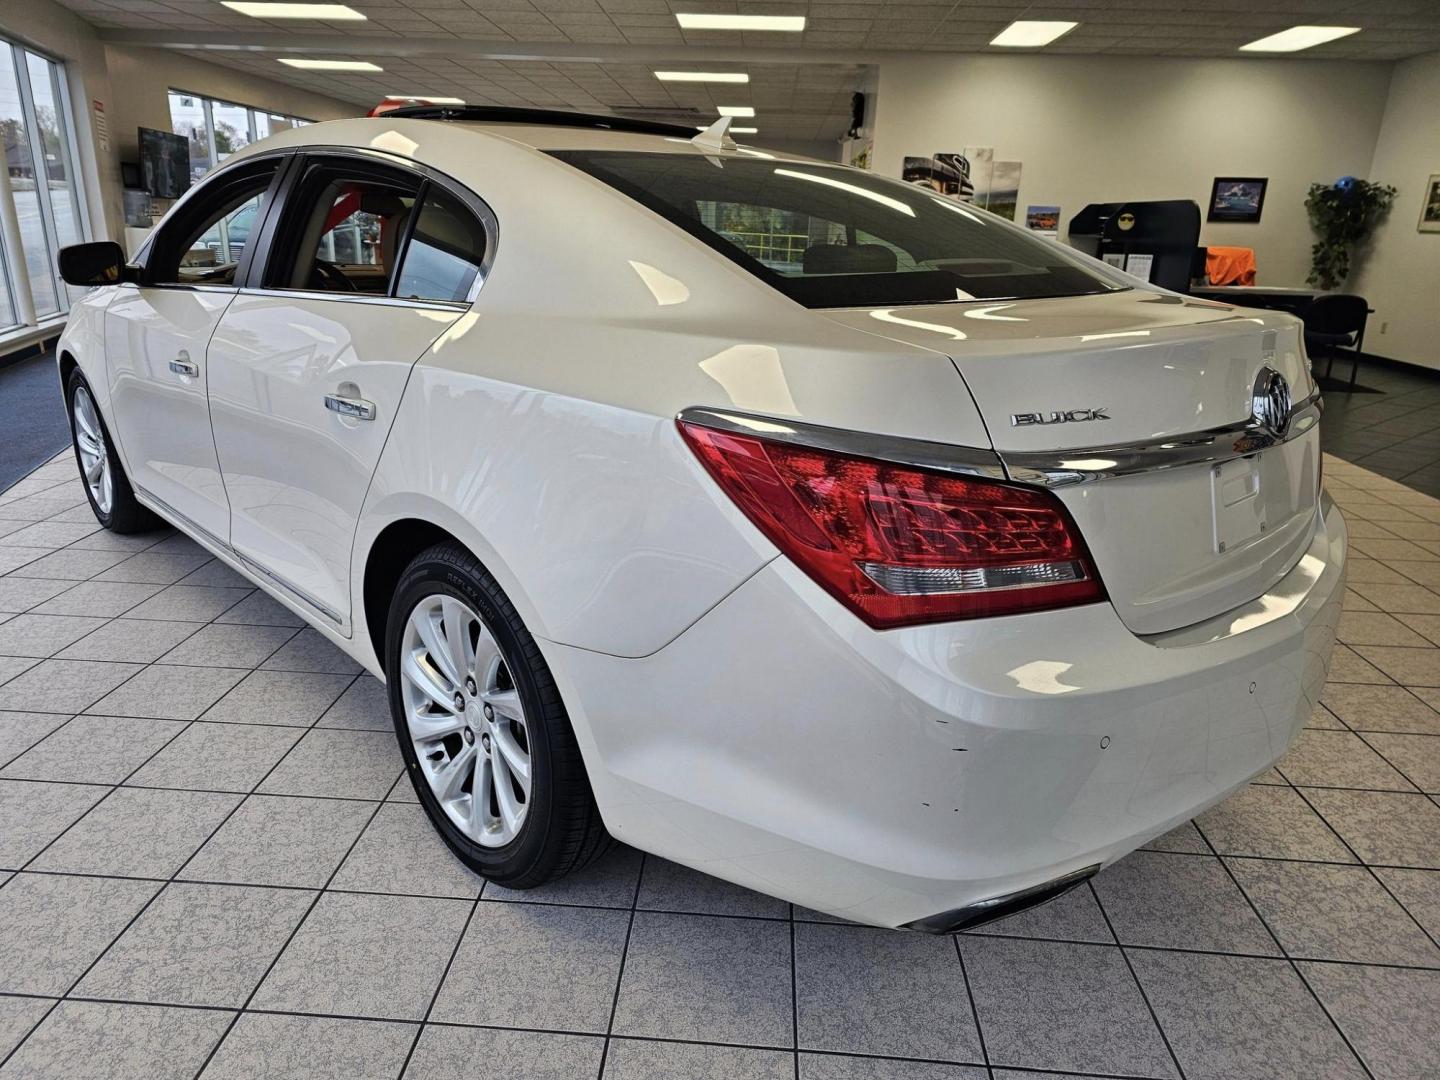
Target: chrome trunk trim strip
{"type": "Point", "coordinates": [1051, 469]}
{"type": "Point", "coordinates": [1047, 468]}
{"type": "Point", "coordinates": [919, 453]}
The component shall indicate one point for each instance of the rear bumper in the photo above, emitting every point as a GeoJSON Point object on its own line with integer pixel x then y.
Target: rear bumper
{"type": "Point", "coordinates": [888, 777]}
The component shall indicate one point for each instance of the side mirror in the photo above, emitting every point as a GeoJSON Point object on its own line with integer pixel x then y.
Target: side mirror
{"type": "Point", "coordinates": [98, 263]}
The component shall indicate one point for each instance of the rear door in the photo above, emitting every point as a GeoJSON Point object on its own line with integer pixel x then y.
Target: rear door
{"type": "Point", "coordinates": [365, 264]}
{"type": "Point", "coordinates": [157, 334]}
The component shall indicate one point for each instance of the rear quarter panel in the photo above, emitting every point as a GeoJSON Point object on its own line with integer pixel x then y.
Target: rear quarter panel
{"type": "Point", "coordinates": [544, 419]}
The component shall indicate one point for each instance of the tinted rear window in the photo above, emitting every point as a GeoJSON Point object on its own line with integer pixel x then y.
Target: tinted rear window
{"type": "Point", "coordinates": [829, 236]}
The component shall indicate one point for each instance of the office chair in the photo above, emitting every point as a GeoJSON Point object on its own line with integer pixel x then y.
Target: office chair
{"type": "Point", "coordinates": [1336, 321]}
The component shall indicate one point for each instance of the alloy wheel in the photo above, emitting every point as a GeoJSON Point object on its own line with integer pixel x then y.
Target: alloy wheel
{"type": "Point", "coordinates": [466, 720]}
{"type": "Point", "coordinates": [89, 440]}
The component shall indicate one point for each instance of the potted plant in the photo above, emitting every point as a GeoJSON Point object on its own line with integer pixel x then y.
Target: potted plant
{"type": "Point", "coordinates": [1342, 215]}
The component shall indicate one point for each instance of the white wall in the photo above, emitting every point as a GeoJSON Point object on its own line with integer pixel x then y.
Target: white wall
{"type": "Point", "coordinates": [1104, 129]}
{"type": "Point", "coordinates": [1400, 272]}
{"type": "Point", "coordinates": [147, 76]}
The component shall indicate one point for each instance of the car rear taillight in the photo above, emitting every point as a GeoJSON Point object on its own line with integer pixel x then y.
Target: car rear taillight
{"type": "Point", "coordinates": [899, 545]}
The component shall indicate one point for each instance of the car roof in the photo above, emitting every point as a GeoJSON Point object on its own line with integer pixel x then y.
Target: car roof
{"type": "Point", "coordinates": [399, 130]}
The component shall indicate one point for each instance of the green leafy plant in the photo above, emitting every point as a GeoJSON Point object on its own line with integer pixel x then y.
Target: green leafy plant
{"type": "Point", "coordinates": [1342, 215]}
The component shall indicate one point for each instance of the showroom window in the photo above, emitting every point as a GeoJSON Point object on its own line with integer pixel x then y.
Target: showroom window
{"type": "Point", "coordinates": [40, 184]}
{"type": "Point", "coordinates": [216, 129]}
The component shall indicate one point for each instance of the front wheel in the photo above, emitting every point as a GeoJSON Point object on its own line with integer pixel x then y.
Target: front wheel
{"type": "Point", "coordinates": [106, 486]}
{"type": "Point", "coordinates": [485, 736]}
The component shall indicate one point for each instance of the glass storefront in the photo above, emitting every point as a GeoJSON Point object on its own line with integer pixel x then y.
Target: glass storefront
{"type": "Point", "coordinates": [41, 182]}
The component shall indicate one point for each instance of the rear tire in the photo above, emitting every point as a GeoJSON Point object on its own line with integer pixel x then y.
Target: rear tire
{"type": "Point", "coordinates": [106, 486]}
{"type": "Point", "coordinates": [484, 734]}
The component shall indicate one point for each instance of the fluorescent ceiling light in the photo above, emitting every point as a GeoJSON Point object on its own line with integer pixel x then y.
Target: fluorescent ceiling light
{"type": "Point", "coordinates": [429, 98]}
{"type": "Point", "coordinates": [741, 22]}
{"type": "Point", "coordinates": [1029, 34]}
{"type": "Point", "coordinates": [733, 130]}
{"type": "Point", "coordinates": [1299, 37]}
{"type": "Point", "coordinates": [853, 189]}
{"type": "Point", "coordinates": [328, 12]}
{"type": "Point", "coordinates": [330, 65]}
{"type": "Point", "coordinates": [703, 76]}
{"type": "Point", "coordinates": [746, 111]}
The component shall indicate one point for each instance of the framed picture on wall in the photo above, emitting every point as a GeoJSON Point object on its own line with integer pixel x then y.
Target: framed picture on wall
{"type": "Point", "coordinates": [1430, 208]}
{"type": "Point", "coordinates": [1237, 198]}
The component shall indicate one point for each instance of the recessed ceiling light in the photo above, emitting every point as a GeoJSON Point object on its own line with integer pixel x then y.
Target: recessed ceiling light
{"type": "Point", "coordinates": [746, 111]}
{"type": "Point", "coordinates": [1299, 37]}
{"type": "Point", "coordinates": [703, 76]}
{"type": "Point", "coordinates": [733, 130]}
{"type": "Point", "coordinates": [330, 65]}
{"type": "Point", "coordinates": [427, 99]}
{"type": "Point", "coordinates": [328, 12]}
{"type": "Point", "coordinates": [1030, 34]}
{"type": "Point", "coordinates": [741, 22]}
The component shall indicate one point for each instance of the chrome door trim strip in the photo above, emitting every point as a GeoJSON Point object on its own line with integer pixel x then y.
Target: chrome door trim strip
{"type": "Point", "coordinates": [299, 594]}
{"type": "Point", "coordinates": [165, 510]}
{"type": "Point", "coordinates": [1210, 447]}
{"type": "Point", "coordinates": [1044, 468]}
{"type": "Point", "coordinates": [920, 453]}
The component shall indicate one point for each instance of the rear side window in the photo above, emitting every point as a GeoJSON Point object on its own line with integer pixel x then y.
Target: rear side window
{"type": "Point", "coordinates": [828, 236]}
{"type": "Point", "coordinates": [445, 252]}
{"type": "Point", "coordinates": [351, 234]}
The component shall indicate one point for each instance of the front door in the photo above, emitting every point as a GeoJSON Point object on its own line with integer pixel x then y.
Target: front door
{"type": "Point", "coordinates": [156, 337]}
{"type": "Point", "coordinates": [368, 266]}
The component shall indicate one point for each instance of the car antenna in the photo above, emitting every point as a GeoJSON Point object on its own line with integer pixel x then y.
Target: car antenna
{"type": "Point", "coordinates": [716, 136]}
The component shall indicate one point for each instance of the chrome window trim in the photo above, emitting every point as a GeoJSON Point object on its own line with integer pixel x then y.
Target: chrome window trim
{"type": "Point", "coordinates": [965, 460]}
{"type": "Point", "coordinates": [1084, 465]}
{"type": "Point", "coordinates": [1043, 468]}
{"type": "Point", "coordinates": [455, 307]}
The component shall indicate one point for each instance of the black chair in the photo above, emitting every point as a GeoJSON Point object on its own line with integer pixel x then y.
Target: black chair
{"type": "Point", "coordinates": [1336, 321]}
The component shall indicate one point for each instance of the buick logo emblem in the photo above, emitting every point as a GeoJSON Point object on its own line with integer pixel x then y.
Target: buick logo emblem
{"type": "Point", "coordinates": [1270, 402]}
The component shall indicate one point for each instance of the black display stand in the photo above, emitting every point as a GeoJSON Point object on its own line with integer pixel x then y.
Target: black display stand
{"type": "Point", "coordinates": [1164, 234]}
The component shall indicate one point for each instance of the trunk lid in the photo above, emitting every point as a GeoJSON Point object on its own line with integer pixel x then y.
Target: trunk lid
{"type": "Point", "coordinates": [1173, 547]}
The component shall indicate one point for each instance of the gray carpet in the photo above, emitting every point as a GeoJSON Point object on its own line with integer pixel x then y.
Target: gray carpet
{"type": "Point", "coordinates": [32, 416]}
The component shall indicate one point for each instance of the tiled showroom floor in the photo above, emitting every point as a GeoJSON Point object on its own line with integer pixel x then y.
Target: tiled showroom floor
{"type": "Point", "coordinates": [212, 863]}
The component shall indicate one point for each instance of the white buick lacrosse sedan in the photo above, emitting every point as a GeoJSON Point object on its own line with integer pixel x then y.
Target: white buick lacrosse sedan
{"type": "Point", "coordinates": [796, 524]}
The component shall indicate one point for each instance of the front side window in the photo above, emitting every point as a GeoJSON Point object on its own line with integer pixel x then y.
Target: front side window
{"type": "Point", "coordinates": [348, 239]}
{"type": "Point", "coordinates": [828, 236]}
{"type": "Point", "coordinates": [206, 241]}
{"type": "Point", "coordinates": [445, 252]}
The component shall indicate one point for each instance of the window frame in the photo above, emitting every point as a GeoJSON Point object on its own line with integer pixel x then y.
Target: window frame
{"type": "Point", "coordinates": [384, 164]}
{"type": "Point", "coordinates": [18, 285]}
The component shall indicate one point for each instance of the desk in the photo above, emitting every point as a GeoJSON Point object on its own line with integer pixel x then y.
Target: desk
{"type": "Point", "coordinates": [1277, 298]}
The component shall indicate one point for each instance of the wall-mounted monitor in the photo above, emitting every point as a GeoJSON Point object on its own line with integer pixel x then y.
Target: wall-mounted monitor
{"type": "Point", "coordinates": [165, 163]}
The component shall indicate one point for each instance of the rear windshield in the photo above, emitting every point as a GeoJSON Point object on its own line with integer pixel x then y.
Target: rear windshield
{"type": "Point", "coordinates": [829, 236]}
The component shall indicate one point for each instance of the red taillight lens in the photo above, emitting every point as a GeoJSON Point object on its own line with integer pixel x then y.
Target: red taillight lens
{"type": "Point", "coordinates": [900, 545]}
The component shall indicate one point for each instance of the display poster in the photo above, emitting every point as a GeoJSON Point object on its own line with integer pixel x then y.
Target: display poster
{"type": "Point", "coordinates": [1044, 220]}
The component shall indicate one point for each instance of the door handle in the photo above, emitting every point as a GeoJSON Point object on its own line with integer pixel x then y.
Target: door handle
{"type": "Point", "coordinates": [355, 408]}
{"type": "Point", "coordinates": [182, 366]}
